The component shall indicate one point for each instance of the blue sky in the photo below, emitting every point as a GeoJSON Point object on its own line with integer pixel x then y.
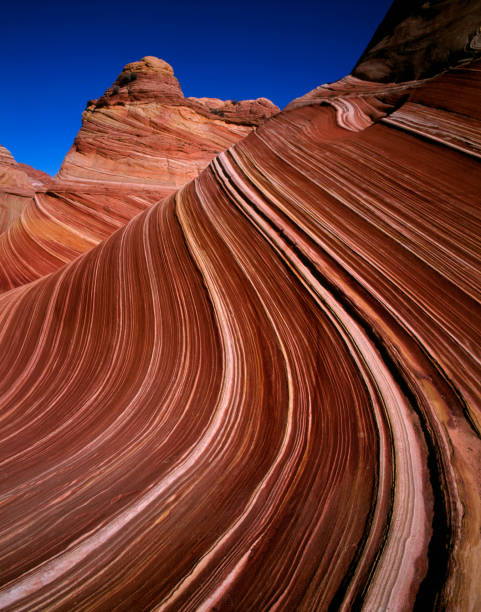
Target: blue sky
{"type": "Point", "coordinates": [57, 55]}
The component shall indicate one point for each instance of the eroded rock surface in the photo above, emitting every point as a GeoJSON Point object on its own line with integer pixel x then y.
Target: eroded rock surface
{"type": "Point", "coordinates": [18, 184]}
{"type": "Point", "coordinates": [420, 38]}
{"type": "Point", "coordinates": [138, 143]}
{"type": "Point", "coordinates": [143, 130]}
{"type": "Point", "coordinates": [263, 392]}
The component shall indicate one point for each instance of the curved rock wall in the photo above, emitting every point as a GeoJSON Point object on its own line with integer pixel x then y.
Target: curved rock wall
{"type": "Point", "coordinates": [138, 143]}
{"type": "Point", "coordinates": [421, 38]}
{"type": "Point", "coordinates": [264, 392]}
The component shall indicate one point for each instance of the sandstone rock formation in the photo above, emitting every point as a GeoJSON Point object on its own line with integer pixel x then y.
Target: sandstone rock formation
{"type": "Point", "coordinates": [263, 392]}
{"type": "Point", "coordinates": [420, 38]}
{"type": "Point", "coordinates": [143, 130]}
{"type": "Point", "coordinates": [138, 143]}
{"type": "Point", "coordinates": [18, 184]}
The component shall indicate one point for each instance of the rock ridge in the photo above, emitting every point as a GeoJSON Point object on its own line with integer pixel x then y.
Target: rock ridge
{"type": "Point", "coordinates": [263, 391]}
{"type": "Point", "coordinates": [18, 184]}
{"type": "Point", "coordinates": [138, 143]}
{"type": "Point", "coordinates": [143, 122]}
{"type": "Point", "coordinates": [418, 39]}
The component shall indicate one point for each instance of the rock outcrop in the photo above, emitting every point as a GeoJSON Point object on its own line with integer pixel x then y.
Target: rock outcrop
{"type": "Point", "coordinates": [18, 184]}
{"type": "Point", "coordinates": [138, 143]}
{"type": "Point", "coordinates": [420, 38]}
{"type": "Point", "coordinates": [143, 130]}
{"type": "Point", "coordinates": [263, 392]}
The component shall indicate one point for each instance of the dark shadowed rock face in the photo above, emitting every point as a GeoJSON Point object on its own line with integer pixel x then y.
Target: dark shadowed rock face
{"type": "Point", "coordinates": [418, 39]}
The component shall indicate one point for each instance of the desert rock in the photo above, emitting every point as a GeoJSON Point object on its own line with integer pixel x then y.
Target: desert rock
{"type": "Point", "coordinates": [264, 391]}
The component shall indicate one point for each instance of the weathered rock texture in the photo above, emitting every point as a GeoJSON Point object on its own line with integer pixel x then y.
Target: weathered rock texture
{"type": "Point", "coordinates": [264, 392]}
{"type": "Point", "coordinates": [18, 184]}
{"type": "Point", "coordinates": [143, 130]}
{"type": "Point", "coordinates": [138, 143]}
{"type": "Point", "coordinates": [420, 38]}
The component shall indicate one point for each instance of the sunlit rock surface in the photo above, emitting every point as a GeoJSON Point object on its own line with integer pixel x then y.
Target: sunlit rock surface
{"type": "Point", "coordinates": [18, 184]}
{"type": "Point", "coordinates": [143, 130]}
{"type": "Point", "coordinates": [264, 392]}
{"type": "Point", "coordinates": [420, 38]}
{"type": "Point", "coordinates": [138, 143]}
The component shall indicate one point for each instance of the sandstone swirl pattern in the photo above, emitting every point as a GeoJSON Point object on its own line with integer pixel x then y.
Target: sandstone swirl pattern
{"type": "Point", "coordinates": [263, 393]}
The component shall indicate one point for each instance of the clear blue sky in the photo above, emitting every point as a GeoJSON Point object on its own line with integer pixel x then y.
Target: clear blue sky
{"type": "Point", "coordinates": [57, 55]}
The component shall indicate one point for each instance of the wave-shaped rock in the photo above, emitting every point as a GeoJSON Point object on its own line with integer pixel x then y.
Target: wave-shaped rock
{"type": "Point", "coordinates": [264, 392]}
{"type": "Point", "coordinates": [138, 143]}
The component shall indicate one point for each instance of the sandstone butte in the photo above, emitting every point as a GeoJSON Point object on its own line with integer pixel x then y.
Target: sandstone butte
{"type": "Point", "coordinates": [138, 143]}
{"type": "Point", "coordinates": [263, 392]}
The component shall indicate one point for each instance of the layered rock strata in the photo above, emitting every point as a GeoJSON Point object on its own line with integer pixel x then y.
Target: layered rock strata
{"type": "Point", "coordinates": [138, 143]}
{"type": "Point", "coordinates": [18, 184]}
{"type": "Point", "coordinates": [144, 131]}
{"type": "Point", "coordinates": [264, 392]}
